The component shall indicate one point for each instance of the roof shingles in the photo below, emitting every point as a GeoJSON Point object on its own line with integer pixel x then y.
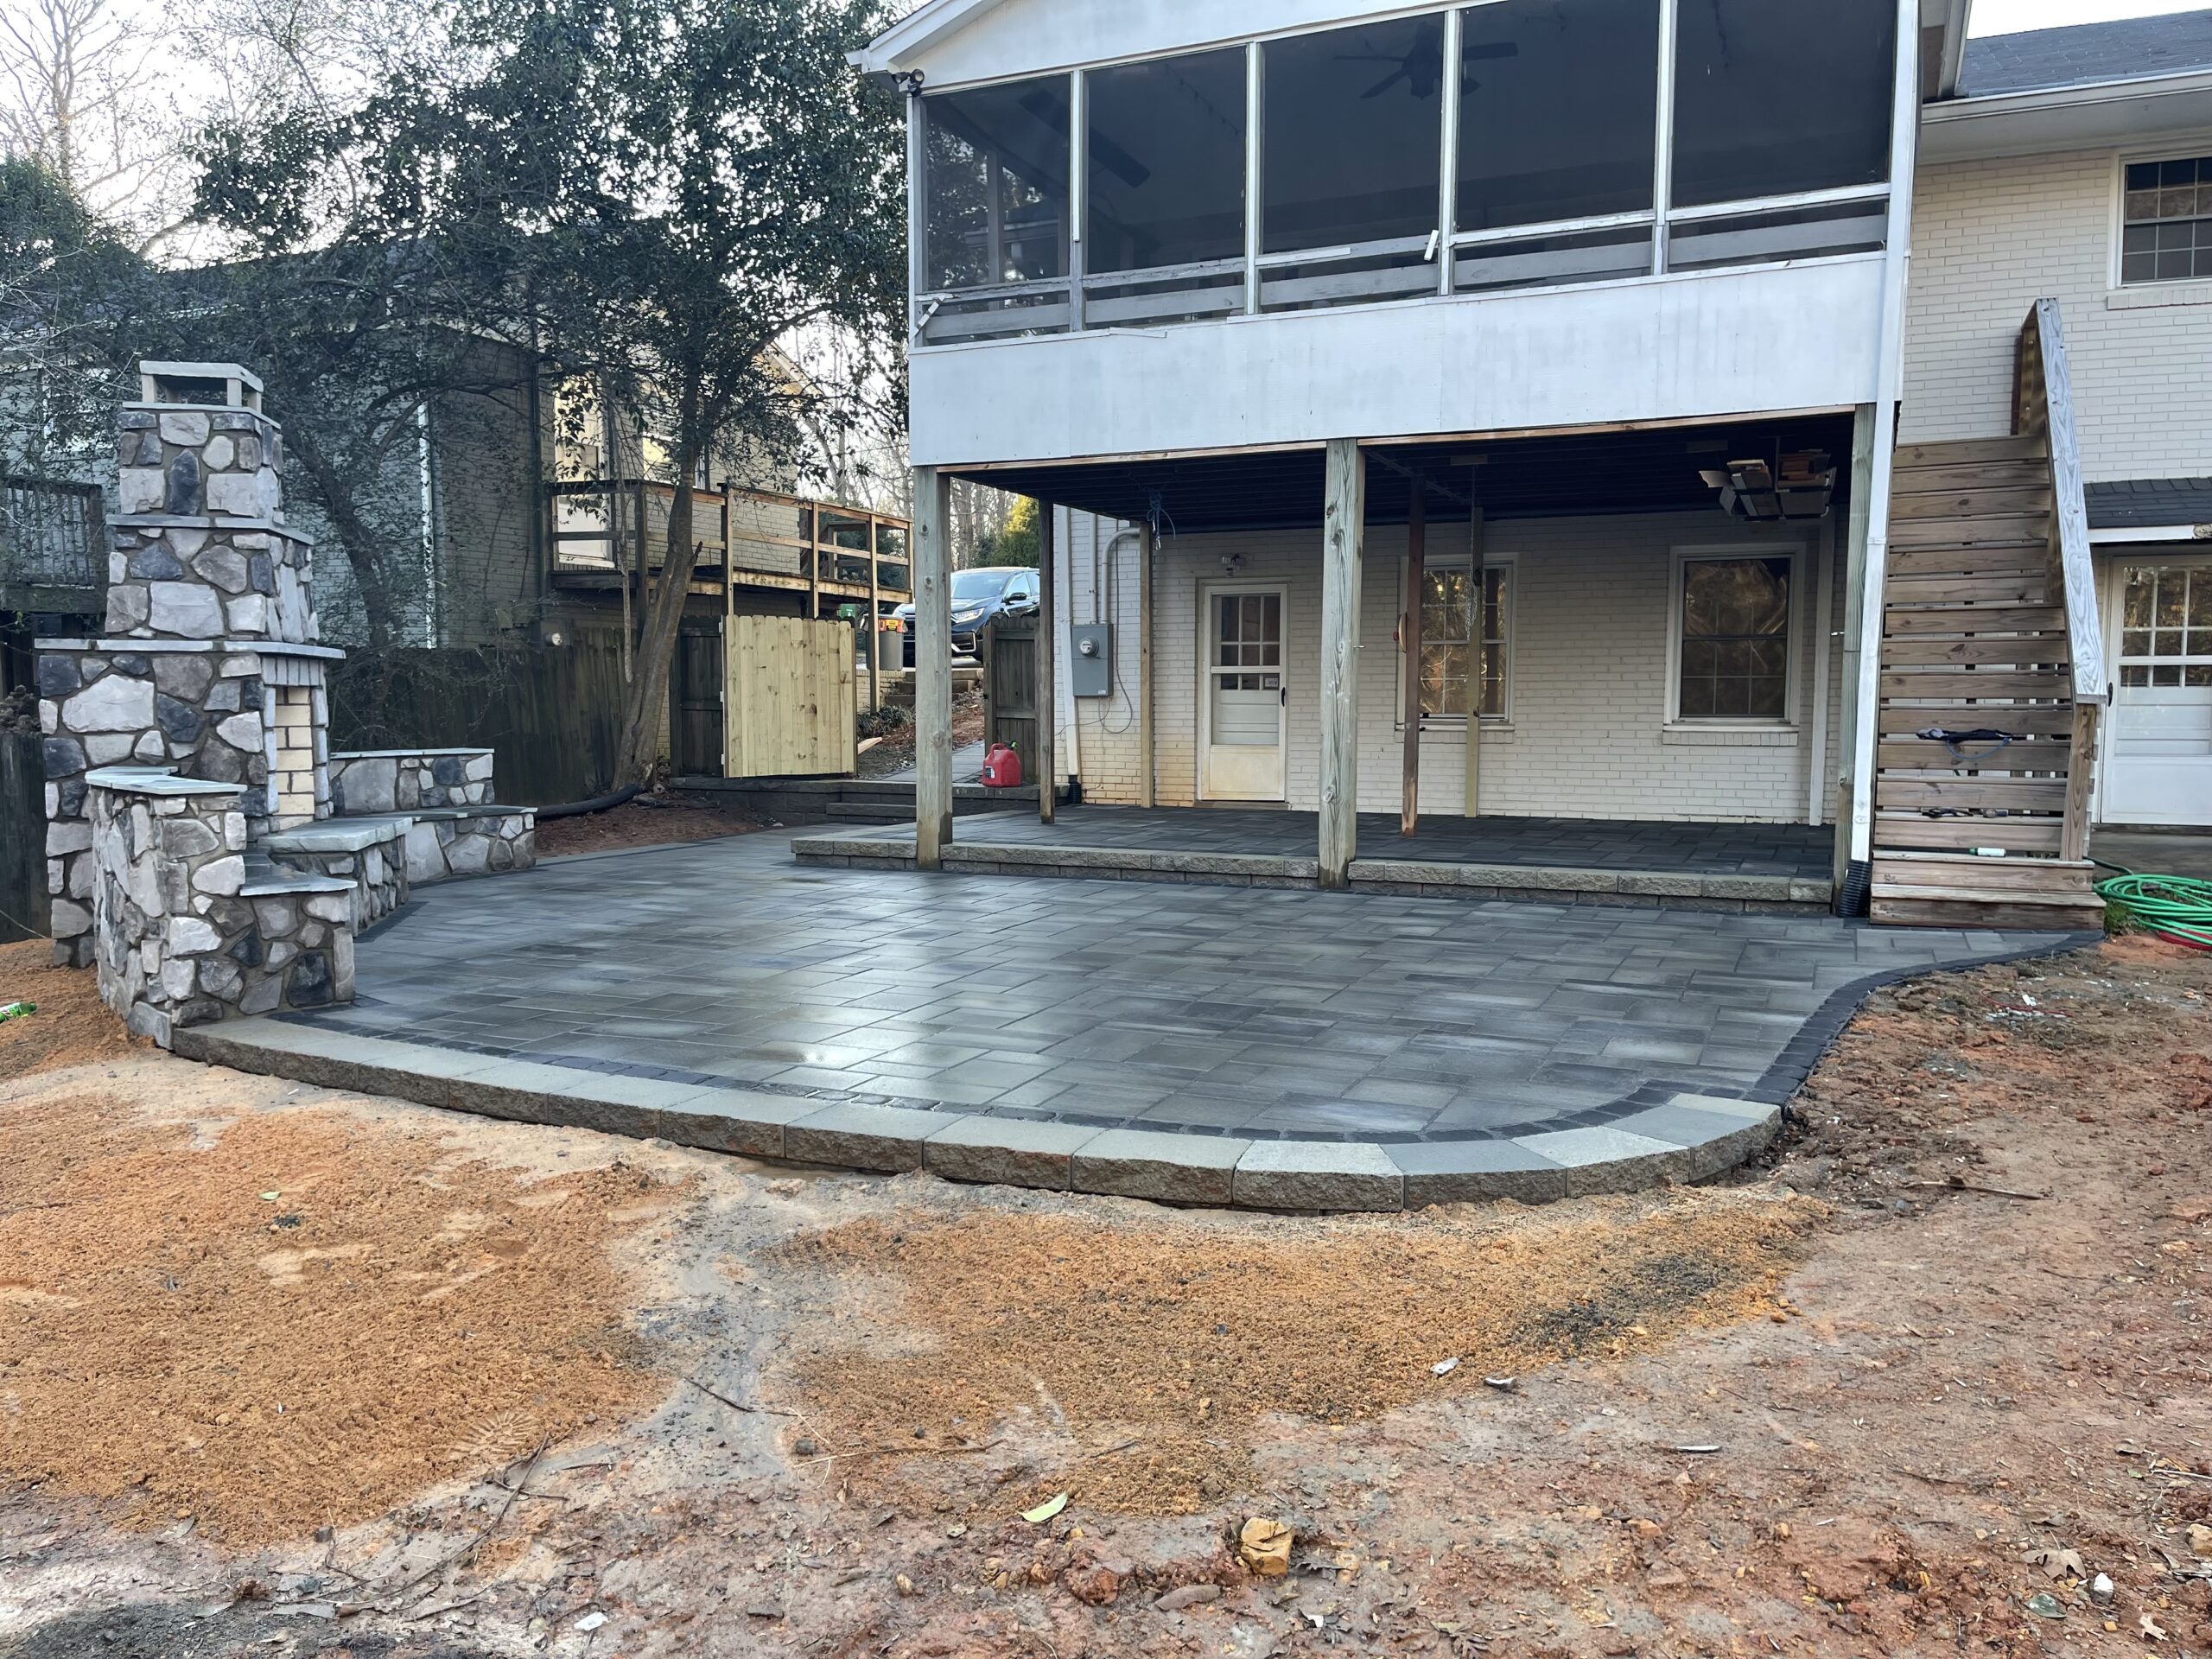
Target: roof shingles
{"type": "Point", "coordinates": [2046, 59]}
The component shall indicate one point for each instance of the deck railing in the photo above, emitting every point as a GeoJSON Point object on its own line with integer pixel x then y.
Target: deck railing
{"type": "Point", "coordinates": [603, 530]}
{"type": "Point", "coordinates": [2042, 405]}
{"type": "Point", "coordinates": [53, 537]}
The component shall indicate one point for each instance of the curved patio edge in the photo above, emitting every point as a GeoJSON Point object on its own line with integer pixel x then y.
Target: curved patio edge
{"type": "Point", "coordinates": [1689, 1138]}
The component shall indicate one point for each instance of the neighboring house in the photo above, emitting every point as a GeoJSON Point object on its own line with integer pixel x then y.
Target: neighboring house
{"type": "Point", "coordinates": [534, 503]}
{"type": "Point", "coordinates": [1610, 298]}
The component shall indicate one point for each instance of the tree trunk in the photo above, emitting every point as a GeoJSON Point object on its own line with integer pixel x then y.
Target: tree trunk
{"type": "Point", "coordinates": [648, 701]}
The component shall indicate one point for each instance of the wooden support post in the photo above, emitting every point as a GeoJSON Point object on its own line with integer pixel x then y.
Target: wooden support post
{"type": "Point", "coordinates": [1410, 639]}
{"type": "Point", "coordinates": [1478, 544]}
{"type": "Point", "coordinates": [931, 548]}
{"type": "Point", "coordinates": [1343, 535]}
{"type": "Point", "coordinates": [2081, 782]}
{"type": "Point", "coordinates": [1148, 771]}
{"type": "Point", "coordinates": [1048, 690]}
{"type": "Point", "coordinates": [813, 560]}
{"type": "Point", "coordinates": [1857, 713]}
{"type": "Point", "coordinates": [874, 616]}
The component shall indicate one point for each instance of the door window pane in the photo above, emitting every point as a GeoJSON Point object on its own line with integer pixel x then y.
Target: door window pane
{"type": "Point", "coordinates": [1735, 643]}
{"type": "Point", "coordinates": [1557, 109]}
{"type": "Point", "coordinates": [1773, 96]}
{"type": "Point", "coordinates": [1354, 127]}
{"type": "Point", "coordinates": [1167, 162]}
{"type": "Point", "coordinates": [997, 183]}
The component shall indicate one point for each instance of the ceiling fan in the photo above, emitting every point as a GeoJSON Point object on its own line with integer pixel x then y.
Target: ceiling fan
{"type": "Point", "coordinates": [1423, 68]}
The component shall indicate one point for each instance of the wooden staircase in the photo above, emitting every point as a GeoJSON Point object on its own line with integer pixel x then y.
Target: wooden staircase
{"type": "Point", "coordinates": [1989, 624]}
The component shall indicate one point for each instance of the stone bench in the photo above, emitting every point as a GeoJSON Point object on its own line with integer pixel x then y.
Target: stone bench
{"type": "Point", "coordinates": [364, 783]}
{"type": "Point", "coordinates": [370, 854]}
{"type": "Point", "coordinates": [448, 843]}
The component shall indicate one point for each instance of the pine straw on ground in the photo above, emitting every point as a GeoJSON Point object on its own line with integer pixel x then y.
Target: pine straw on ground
{"type": "Point", "coordinates": [178, 1342]}
{"type": "Point", "coordinates": [1153, 1354]}
{"type": "Point", "coordinates": [72, 1026]}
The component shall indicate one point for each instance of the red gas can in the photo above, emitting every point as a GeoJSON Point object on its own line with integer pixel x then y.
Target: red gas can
{"type": "Point", "coordinates": [1002, 768]}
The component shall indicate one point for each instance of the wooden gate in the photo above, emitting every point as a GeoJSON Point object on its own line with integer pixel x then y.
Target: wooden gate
{"type": "Point", "coordinates": [23, 903]}
{"type": "Point", "coordinates": [1010, 654]}
{"type": "Point", "coordinates": [790, 703]}
{"type": "Point", "coordinates": [695, 746]}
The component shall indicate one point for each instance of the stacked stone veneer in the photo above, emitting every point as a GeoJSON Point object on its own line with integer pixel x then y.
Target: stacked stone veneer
{"type": "Point", "coordinates": [407, 780]}
{"type": "Point", "coordinates": [184, 933]}
{"type": "Point", "coordinates": [192, 853]}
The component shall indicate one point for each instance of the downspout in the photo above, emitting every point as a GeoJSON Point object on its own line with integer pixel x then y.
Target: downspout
{"type": "Point", "coordinates": [1889, 390]}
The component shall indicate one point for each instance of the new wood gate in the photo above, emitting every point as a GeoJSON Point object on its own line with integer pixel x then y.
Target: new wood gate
{"type": "Point", "coordinates": [791, 704]}
{"type": "Point", "coordinates": [1010, 702]}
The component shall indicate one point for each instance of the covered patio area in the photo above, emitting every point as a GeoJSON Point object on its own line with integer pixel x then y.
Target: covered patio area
{"type": "Point", "coordinates": [1729, 866]}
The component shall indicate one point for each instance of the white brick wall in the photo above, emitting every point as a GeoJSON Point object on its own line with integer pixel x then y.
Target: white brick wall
{"type": "Point", "coordinates": [1588, 735]}
{"type": "Point", "coordinates": [1989, 238]}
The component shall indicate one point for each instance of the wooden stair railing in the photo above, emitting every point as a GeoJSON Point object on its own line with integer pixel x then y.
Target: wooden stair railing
{"type": "Point", "coordinates": [1990, 625]}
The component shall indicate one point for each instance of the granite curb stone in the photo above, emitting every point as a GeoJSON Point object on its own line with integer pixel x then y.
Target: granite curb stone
{"type": "Point", "coordinates": [1318, 1175]}
{"type": "Point", "coordinates": [883, 1138]}
{"type": "Point", "coordinates": [1007, 1151]}
{"type": "Point", "coordinates": [1161, 1165]}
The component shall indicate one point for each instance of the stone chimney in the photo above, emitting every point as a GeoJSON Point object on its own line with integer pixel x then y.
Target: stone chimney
{"type": "Point", "coordinates": [210, 667]}
{"type": "Point", "coordinates": [201, 547]}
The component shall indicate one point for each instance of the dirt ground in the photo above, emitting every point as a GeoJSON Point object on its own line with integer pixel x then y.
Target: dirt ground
{"type": "Point", "coordinates": [647, 821]}
{"type": "Point", "coordinates": [1909, 1388]}
{"type": "Point", "coordinates": [896, 752]}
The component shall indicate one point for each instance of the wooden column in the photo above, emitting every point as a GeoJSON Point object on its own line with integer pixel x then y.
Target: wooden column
{"type": "Point", "coordinates": [1342, 532]}
{"type": "Point", "coordinates": [1478, 541]}
{"type": "Point", "coordinates": [1148, 770]}
{"type": "Point", "coordinates": [1409, 637]}
{"type": "Point", "coordinates": [874, 615]}
{"type": "Point", "coordinates": [1048, 694]}
{"type": "Point", "coordinates": [931, 547]}
{"type": "Point", "coordinates": [813, 561]}
{"type": "Point", "coordinates": [1855, 712]}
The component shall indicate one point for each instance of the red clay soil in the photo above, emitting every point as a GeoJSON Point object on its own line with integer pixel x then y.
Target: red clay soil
{"type": "Point", "coordinates": [72, 1025]}
{"type": "Point", "coordinates": [648, 821]}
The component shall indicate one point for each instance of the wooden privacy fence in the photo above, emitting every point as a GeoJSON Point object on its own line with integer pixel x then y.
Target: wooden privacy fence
{"type": "Point", "coordinates": [1010, 700]}
{"type": "Point", "coordinates": [23, 903]}
{"type": "Point", "coordinates": [793, 699]}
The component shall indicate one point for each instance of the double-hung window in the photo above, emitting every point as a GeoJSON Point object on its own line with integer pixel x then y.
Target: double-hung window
{"type": "Point", "coordinates": [2165, 232]}
{"type": "Point", "coordinates": [1465, 640]}
{"type": "Point", "coordinates": [1731, 646]}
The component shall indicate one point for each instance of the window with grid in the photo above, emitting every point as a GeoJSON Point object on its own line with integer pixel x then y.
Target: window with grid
{"type": "Point", "coordinates": [2166, 222]}
{"type": "Point", "coordinates": [1250, 636]}
{"type": "Point", "coordinates": [1463, 626]}
{"type": "Point", "coordinates": [2165, 636]}
{"type": "Point", "coordinates": [1735, 640]}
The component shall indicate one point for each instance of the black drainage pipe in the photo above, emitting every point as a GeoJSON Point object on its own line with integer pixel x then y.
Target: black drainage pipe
{"type": "Point", "coordinates": [597, 803]}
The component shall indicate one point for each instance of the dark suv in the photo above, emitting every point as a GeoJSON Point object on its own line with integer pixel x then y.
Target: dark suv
{"type": "Point", "coordinates": [979, 597]}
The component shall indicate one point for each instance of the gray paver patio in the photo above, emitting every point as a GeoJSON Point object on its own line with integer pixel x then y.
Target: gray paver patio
{"type": "Point", "coordinates": [1251, 1013]}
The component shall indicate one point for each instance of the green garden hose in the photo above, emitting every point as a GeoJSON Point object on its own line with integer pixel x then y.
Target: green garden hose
{"type": "Point", "coordinates": [2174, 907]}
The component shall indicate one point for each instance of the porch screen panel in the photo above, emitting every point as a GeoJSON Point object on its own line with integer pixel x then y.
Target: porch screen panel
{"type": "Point", "coordinates": [1167, 162]}
{"type": "Point", "coordinates": [1354, 131]}
{"type": "Point", "coordinates": [1775, 97]}
{"type": "Point", "coordinates": [1558, 110]}
{"type": "Point", "coordinates": [1735, 643]}
{"type": "Point", "coordinates": [997, 173]}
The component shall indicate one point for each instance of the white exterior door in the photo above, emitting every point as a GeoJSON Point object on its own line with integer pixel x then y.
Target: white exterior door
{"type": "Point", "coordinates": [2159, 764]}
{"type": "Point", "coordinates": [1242, 696]}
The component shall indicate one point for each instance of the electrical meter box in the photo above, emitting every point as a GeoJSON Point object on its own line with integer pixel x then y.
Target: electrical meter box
{"type": "Point", "coordinates": [1090, 659]}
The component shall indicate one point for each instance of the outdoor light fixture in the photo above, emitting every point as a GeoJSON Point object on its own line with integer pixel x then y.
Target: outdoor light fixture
{"type": "Point", "coordinates": [1232, 563]}
{"type": "Point", "coordinates": [1793, 488]}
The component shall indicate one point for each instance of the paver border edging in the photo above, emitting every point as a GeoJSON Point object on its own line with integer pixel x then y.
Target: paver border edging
{"type": "Point", "coordinates": [1689, 1138]}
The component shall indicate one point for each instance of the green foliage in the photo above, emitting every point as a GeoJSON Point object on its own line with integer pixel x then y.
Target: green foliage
{"type": "Point", "coordinates": [1018, 545]}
